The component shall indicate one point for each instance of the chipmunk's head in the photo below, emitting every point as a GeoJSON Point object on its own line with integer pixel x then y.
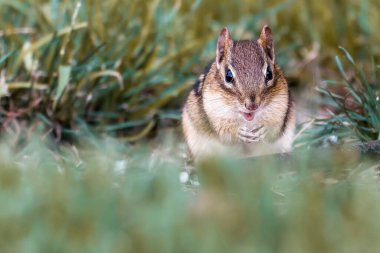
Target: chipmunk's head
{"type": "Point", "coordinates": [246, 69]}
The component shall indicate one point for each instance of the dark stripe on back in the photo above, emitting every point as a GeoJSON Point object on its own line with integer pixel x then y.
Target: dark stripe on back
{"type": "Point", "coordinates": [199, 83]}
{"type": "Point", "coordinates": [287, 114]}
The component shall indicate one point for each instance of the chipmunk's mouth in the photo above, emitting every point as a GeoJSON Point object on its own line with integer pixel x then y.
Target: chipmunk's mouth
{"type": "Point", "coordinates": [248, 116]}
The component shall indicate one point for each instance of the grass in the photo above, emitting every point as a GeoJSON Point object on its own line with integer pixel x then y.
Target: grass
{"type": "Point", "coordinates": [89, 88]}
{"type": "Point", "coordinates": [108, 197]}
{"type": "Point", "coordinates": [353, 106]}
{"type": "Point", "coordinates": [123, 67]}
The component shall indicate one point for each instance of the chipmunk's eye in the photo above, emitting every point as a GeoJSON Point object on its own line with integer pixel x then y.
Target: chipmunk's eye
{"type": "Point", "coordinates": [268, 75]}
{"type": "Point", "coordinates": [229, 76]}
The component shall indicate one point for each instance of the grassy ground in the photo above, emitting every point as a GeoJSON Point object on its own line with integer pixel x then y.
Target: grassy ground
{"type": "Point", "coordinates": [91, 158]}
{"type": "Point", "coordinates": [107, 197]}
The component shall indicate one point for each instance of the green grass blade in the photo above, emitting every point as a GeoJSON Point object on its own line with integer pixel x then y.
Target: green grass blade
{"type": "Point", "coordinates": [63, 81]}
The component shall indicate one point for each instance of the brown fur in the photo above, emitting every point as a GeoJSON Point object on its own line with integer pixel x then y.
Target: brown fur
{"type": "Point", "coordinates": [211, 116]}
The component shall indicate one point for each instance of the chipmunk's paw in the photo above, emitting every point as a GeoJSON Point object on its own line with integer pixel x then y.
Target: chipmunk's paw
{"type": "Point", "coordinates": [252, 135]}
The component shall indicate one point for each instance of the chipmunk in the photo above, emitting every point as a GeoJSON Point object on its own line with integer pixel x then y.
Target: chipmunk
{"type": "Point", "coordinates": [241, 105]}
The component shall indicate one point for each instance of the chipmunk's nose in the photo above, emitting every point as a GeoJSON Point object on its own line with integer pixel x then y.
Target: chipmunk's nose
{"type": "Point", "coordinates": [250, 104]}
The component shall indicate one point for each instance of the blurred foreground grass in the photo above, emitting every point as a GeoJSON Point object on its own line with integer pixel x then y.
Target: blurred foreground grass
{"type": "Point", "coordinates": [123, 66]}
{"type": "Point", "coordinates": [110, 198]}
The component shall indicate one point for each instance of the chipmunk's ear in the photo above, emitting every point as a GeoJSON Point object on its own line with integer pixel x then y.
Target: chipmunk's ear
{"type": "Point", "coordinates": [266, 42]}
{"type": "Point", "coordinates": [224, 44]}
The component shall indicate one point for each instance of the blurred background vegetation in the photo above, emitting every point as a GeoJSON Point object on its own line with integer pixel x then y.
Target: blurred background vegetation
{"type": "Point", "coordinates": [98, 77]}
{"type": "Point", "coordinates": [123, 67]}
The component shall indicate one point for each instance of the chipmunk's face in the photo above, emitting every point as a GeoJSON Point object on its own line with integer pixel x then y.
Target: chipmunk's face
{"type": "Point", "coordinates": [247, 70]}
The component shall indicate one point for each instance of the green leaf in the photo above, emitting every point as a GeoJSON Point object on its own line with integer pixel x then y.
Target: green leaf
{"type": "Point", "coordinates": [349, 57]}
{"type": "Point", "coordinates": [128, 124]}
{"type": "Point", "coordinates": [352, 90]}
{"type": "Point", "coordinates": [340, 67]}
{"type": "Point", "coordinates": [5, 57]}
{"type": "Point", "coordinates": [63, 80]}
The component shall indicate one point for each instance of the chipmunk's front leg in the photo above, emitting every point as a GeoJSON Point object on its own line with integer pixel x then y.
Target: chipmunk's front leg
{"type": "Point", "coordinates": [247, 135]}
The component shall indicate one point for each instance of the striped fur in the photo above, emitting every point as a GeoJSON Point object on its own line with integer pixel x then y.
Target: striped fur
{"type": "Point", "coordinates": [212, 117]}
